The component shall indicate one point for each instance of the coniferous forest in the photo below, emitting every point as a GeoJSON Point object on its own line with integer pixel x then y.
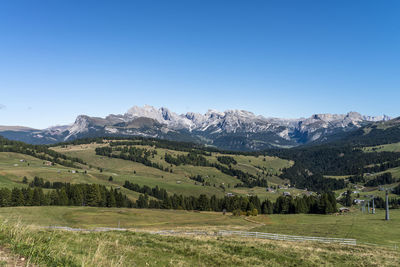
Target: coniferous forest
{"type": "Point", "coordinates": [94, 195]}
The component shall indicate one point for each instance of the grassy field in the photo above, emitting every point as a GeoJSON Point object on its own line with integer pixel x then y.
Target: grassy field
{"type": "Point", "coordinates": [263, 194]}
{"type": "Point", "coordinates": [19, 232]}
{"type": "Point", "coordinates": [85, 217]}
{"type": "Point", "coordinates": [368, 228]}
{"type": "Point", "coordinates": [363, 227]}
{"type": "Point", "coordinates": [60, 248]}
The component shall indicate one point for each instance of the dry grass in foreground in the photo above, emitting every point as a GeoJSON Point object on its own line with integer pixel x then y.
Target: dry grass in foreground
{"type": "Point", "coordinates": [61, 248]}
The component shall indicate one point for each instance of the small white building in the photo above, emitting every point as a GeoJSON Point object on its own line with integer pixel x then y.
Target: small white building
{"type": "Point", "coordinates": [358, 201]}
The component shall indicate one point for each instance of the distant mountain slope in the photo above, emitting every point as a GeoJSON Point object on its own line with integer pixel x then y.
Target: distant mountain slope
{"type": "Point", "coordinates": [232, 129]}
{"type": "Point", "coordinates": [373, 134]}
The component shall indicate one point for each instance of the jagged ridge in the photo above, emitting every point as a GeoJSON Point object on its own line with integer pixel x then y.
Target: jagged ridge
{"type": "Point", "coordinates": [231, 129]}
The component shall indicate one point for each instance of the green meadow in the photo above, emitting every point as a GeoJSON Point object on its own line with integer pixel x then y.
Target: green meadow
{"type": "Point", "coordinates": [21, 233]}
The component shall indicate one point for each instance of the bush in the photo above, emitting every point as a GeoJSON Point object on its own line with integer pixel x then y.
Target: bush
{"type": "Point", "coordinates": [254, 212]}
{"type": "Point", "coordinates": [237, 212]}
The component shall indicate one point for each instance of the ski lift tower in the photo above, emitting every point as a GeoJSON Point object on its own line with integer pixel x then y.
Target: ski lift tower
{"type": "Point", "coordinates": [387, 205]}
{"type": "Point", "coordinates": [373, 204]}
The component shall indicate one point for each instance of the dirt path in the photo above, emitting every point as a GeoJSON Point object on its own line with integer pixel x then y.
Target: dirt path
{"type": "Point", "coordinates": [249, 220]}
{"type": "Point", "coordinates": [7, 258]}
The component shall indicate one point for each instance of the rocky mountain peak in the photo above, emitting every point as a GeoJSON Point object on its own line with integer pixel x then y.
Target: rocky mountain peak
{"type": "Point", "coordinates": [240, 126]}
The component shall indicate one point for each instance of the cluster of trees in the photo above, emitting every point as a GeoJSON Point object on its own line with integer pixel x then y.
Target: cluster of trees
{"type": "Point", "coordinates": [396, 190]}
{"type": "Point", "coordinates": [383, 166]}
{"type": "Point", "coordinates": [226, 160]}
{"type": "Point", "coordinates": [40, 182]}
{"type": "Point", "coordinates": [197, 178]}
{"type": "Point", "coordinates": [202, 181]}
{"type": "Point", "coordinates": [380, 203]}
{"type": "Point", "coordinates": [385, 178]}
{"type": "Point", "coordinates": [300, 177]}
{"type": "Point", "coordinates": [359, 178]}
{"type": "Point", "coordinates": [191, 158]}
{"type": "Point", "coordinates": [68, 195]}
{"type": "Point", "coordinates": [156, 192]}
{"type": "Point", "coordinates": [166, 144]}
{"type": "Point", "coordinates": [323, 204]}
{"type": "Point", "coordinates": [347, 200]}
{"type": "Point", "coordinates": [39, 151]}
{"type": "Point", "coordinates": [132, 153]}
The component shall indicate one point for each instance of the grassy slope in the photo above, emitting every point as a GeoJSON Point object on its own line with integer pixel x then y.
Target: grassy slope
{"type": "Point", "coordinates": [11, 175]}
{"type": "Point", "coordinates": [178, 181]}
{"type": "Point", "coordinates": [395, 147]}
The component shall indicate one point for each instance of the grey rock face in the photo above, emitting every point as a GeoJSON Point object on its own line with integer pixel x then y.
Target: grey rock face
{"type": "Point", "coordinates": [231, 129]}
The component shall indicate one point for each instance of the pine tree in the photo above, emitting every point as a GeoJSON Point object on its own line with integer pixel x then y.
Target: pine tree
{"type": "Point", "coordinates": [348, 200]}
{"type": "Point", "coordinates": [203, 203]}
{"type": "Point", "coordinates": [36, 199]}
{"type": "Point", "coordinates": [77, 196]}
{"type": "Point", "coordinates": [17, 198]}
{"type": "Point", "coordinates": [93, 195]}
{"type": "Point", "coordinates": [54, 198]}
{"type": "Point", "coordinates": [111, 202]}
{"type": "Point", "coordinates": [62, 197]}
{"type": "Point", "coordinates": [142, 203]}
{"type": "Point", "coordinates": [5, 197]}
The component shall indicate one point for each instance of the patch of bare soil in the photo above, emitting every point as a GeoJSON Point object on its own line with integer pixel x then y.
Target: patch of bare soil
{"type": "Point", "coordinates": [7, 258]}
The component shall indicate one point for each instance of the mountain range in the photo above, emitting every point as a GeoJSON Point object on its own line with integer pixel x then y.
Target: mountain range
{"type": "Point", "coordinates": [231, 129]}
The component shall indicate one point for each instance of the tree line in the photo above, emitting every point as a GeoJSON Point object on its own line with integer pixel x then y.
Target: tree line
{"type": "Point", "coordinates": [39, 151]}
{"type": "Point", "coordinates": [380, 203]}
{"type": "Point", "coordinates": [382, 179]}
{"type": "Point", "coordinates": [133, 154]}
{"type": "Point", "coordinates": [385, 178]}
{"type": "Point", "coordinates": [383, 166]}
{"type": "Point", "coordinates": [94, 195]}
{"type": "Point", "coordinates": [322, 204]}
{"type": "Point", "coordinates": [226, 160]}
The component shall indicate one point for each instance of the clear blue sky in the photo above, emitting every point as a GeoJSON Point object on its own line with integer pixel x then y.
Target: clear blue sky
{"type": "Point", "coordinates": [59, 59]}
